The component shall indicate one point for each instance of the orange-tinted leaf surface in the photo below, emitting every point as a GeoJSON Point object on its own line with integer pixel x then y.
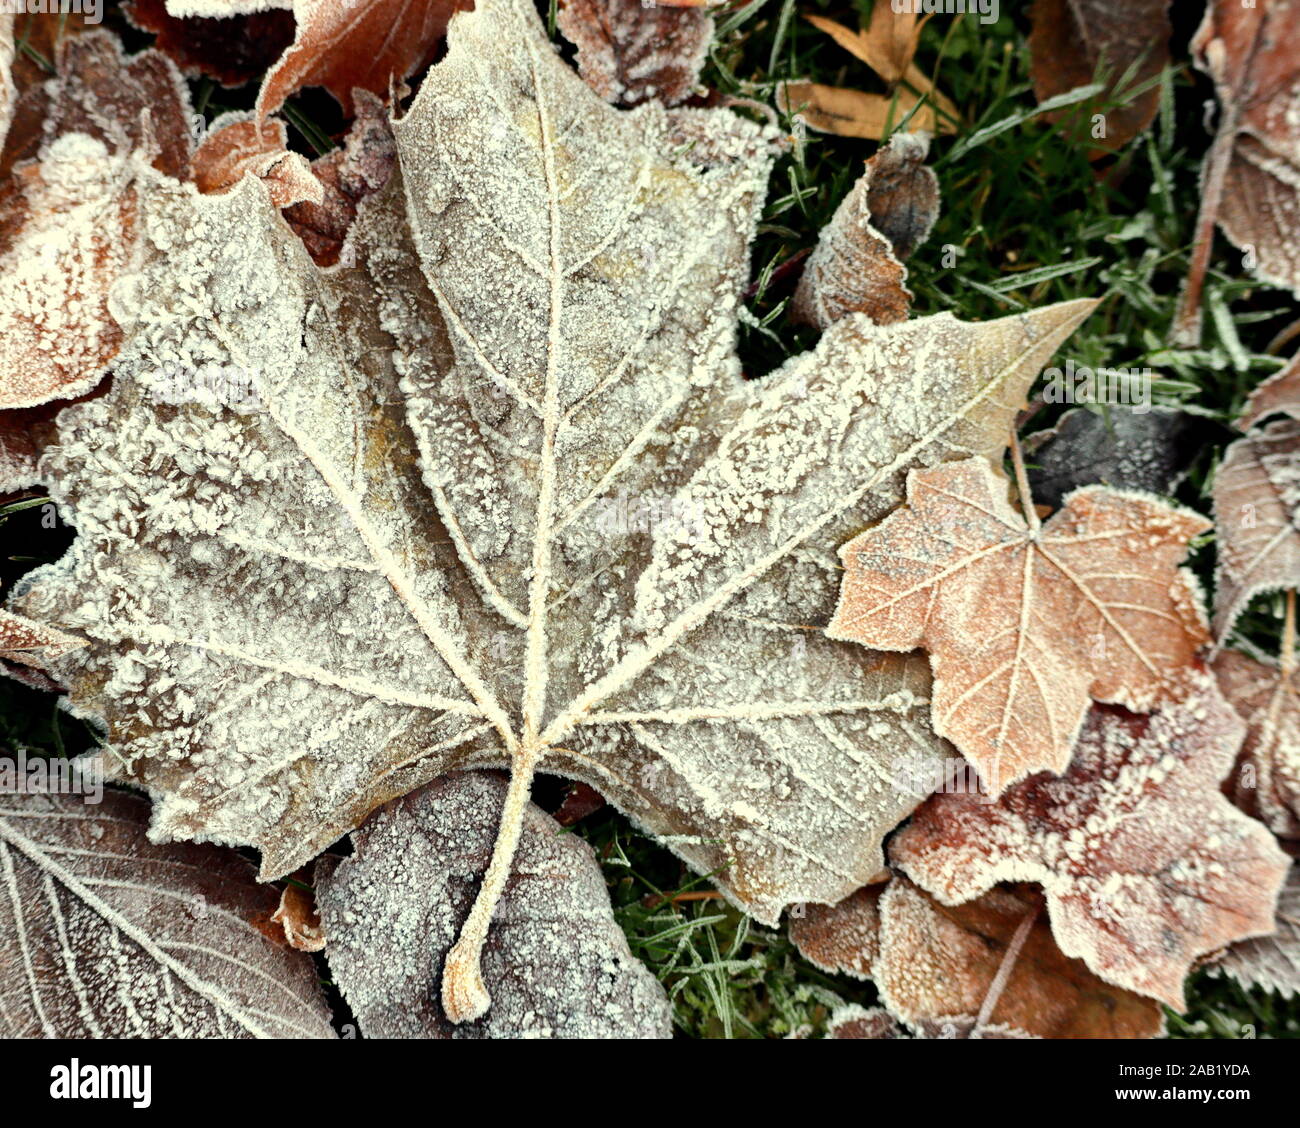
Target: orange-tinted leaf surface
{"type": "Point", "coordinates": [1271, 962]}
{"type": "Point", "coordinates": [856, 267]}
{"type": "Point", "coordinates": [1250, 184]}
{"type": "Point", "coordinates": [1125, 41]}
{"type": "Point", "coordinates": [629, 52]}
{"type": "Point", "coordinates": [298, 916]}
{"type": "Point", "coordinates": [993, 962]}
{"type": "Point", "coordinates": [1025, 625]}
{"type": "Point", "coordinates": [1145, 863]}
{"type": "Point", "coordinates": [1256, 492]}
{"type": "Point", "coordinates": [939, 966]}
{"type": "Point", "coordinates": [1266, 782]}
{"type": "Point", "coordinates": [844, 937]}
{"type": "Point", "coordinates": [855, 1022]}
{"type": "Point", "coordinates": [363, 44]}
{"type": "Point", "coordinates": [239, 145]}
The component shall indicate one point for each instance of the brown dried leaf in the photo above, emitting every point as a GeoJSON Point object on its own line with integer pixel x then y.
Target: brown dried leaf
{"type": "Point", "coordinates": [1250, 184]}
{"type": "Point", "coordinates": [1025, 626]}
{"type": "Point", "coordinates": [33, 644]}
{"type": "Point", "coordinates": [629, 52]}
{"type": "Point", "coordinates": [298, 916]}
{"type": "Point", "coordinates": [853, 113]}
{"type": "Point", "coordinates": [1271, 962]}
{"type": "Point", "coordinates": [1072, 41]}
{"type": "Point", "coordinates": [855, 1022]}
{"type": "Point", "coordinates": [105, 117]}
{"type": "Point", "coordinates": [1278, 395]}
{"type": "Point", "coordinates": [856, 266]}
{"type": "Point", "coordinates": [233, 49]}
{"type": "Point", "coordinates": [106, 935]}
{"type": "Point", "coordinates": [347, 176]}
{"type": "Point", "coordinates": [557, 963]}
{"type": "Point", "coordinates": [1266, 782]}
{"type": "Point", "coordinates": [361, 44]}
{"type": "Point", "coordinates": [1256, 495]}
{"type": "Point", "coordinates": [1145, 864]}
{"type": "Point", "coordinates": [238, 146]}
{"type": "Point", "coordinates": [939, 966]}
{"type": "Point", "coordinates": [888, 45]}
{"type": "Point", "coordinates": [126, 102]}
{"type": "Point", "coordinates": [844, 937]}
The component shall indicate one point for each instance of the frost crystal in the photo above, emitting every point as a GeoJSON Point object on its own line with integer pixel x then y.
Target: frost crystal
{"type": "Point", "coordinates": [105, 935]}
{"type": "Point", "coordinates": [393, 562]}
{"type": "Point", "coordinates": [556, 963]}
{"type": "Point", "coordinates": [1145, 864]}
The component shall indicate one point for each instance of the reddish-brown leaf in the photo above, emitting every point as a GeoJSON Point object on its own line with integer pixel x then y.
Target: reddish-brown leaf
{"type": "Point", "coordinates": [239, 145]}
{"type": "Point", "coordinates": [844, 937]}
{"type": "Point", "coordinates": [630, 52]}
{"type": "Point", "coordinates": [32, 644]}
{"type": "Point", "coordinates": [1250, 184]}
{"type": "Point", "coordinates": [347, 176]}
{"type": "Point", "coordinates": [233, 50]}
{"type": "Point", "coordinates": [360, 44]}
{"type": "Point", "coordinates": [1145, 864]}
{"type": "Point", "coordinates": [854, 1022]}
{"type": "Point", "coordinates": [298, 916]}
{"type": "Point", "coordinates": [857, 266]}
{"type": "Point", "coordinates": [982, 963]}
{"type": "Point", "coordinates": [1072, 41]}
{"type": "Point", "coordinates": [1266, 782]}
{"type": "Point", "coordinates": [1025, 625]}
{"type": "Point", "coordinates": [1256, 494]}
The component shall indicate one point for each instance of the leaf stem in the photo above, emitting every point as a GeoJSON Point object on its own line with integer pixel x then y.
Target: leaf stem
{"type": "Point", "coordinates": [1005, 969]}
{"type": "Point", "coordinates": [1022, 485]}
{"type": "Point", "coordinates": [464, 995]}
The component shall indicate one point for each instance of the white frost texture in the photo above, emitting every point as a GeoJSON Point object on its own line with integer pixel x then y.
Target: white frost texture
{"type": "Point", "coordinates": [502, 497]}
{"type": "Point", "coordinates": [557, 964]}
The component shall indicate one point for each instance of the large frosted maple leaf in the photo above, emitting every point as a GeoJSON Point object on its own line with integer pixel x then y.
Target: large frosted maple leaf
{"type": "Point", "coordinates": [501, 497]}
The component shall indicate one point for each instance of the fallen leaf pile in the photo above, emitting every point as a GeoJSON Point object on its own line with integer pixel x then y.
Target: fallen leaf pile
{"type": "Point", "coordinates": [403, 474]}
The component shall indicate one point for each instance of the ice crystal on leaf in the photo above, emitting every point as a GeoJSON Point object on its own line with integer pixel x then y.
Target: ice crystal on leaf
{"type": "Point", "coordinates": [1146, 865]}
{"type": "Point", "coordinates": [502, 498]}
{"type": "Point", "coordinates": [1271, 962]}
{"type": "Point", "coordinates": [556, 963]}
{"type": "Point", "coordinates": [1024, 623]}
{"type": "Point", "coordinates": [105, 934]}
